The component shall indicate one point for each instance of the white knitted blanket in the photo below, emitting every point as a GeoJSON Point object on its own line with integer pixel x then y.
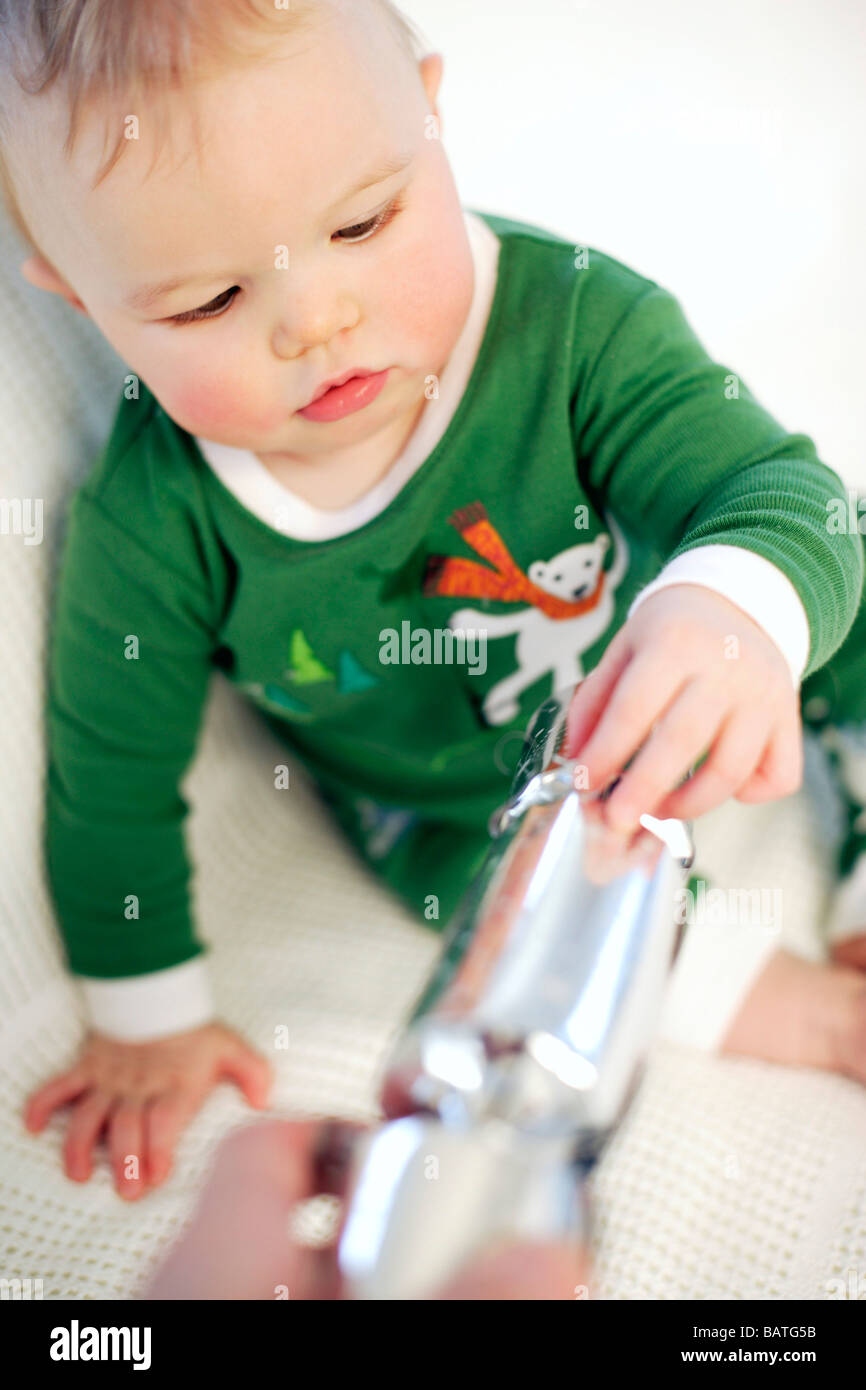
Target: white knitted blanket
{"type": "Point", "coordinates": [729, 1178]}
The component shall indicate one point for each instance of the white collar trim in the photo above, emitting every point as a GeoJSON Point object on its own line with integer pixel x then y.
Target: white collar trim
{"type": "Point", "coordinates": [259, 491]}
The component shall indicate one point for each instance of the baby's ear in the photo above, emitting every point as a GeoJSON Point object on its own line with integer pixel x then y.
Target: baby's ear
{"type": "Point", "coordinates": [41, 273]}
{"type": "Point", "coordinates": [431, 68]}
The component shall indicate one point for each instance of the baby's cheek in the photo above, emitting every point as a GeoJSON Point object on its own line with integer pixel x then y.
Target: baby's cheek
{"type": "Point", "coordinates": [432, 298]}
{"type": "Point", "coordinates": [214, 405]}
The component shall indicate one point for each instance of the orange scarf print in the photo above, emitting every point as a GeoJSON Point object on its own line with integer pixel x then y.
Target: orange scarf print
{"type": "Point", "coordinates": [467, 579]}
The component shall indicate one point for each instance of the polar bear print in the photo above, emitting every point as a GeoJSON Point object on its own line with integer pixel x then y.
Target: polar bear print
{"type": "Point", "coordinates": [545, 643]}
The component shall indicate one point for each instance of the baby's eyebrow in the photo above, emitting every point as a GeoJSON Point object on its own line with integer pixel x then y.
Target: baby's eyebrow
{"type": "Point", "coordinates": [395, 165]}
{"type": "Point", "coordinates": [146, 295]}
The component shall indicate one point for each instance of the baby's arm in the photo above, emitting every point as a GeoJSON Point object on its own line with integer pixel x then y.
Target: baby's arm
{"type": "Point", "coordinates": [678, 448]}
{"type": "Point", "coordinates": [131, 651]}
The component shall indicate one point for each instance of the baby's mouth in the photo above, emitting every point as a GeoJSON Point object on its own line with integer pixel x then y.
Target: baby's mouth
{"type": "Point", "coordinates": [345, 395]}
{"type": "Point", "coordinates": [337, 381]}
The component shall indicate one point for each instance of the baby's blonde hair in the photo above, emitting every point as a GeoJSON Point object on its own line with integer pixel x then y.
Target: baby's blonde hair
{"type": "Point", "coordinates": [122, 51]}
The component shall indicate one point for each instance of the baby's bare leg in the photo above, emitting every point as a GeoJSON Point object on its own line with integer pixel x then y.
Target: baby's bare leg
{"type": "Point", "coordinates": [803, 1014]}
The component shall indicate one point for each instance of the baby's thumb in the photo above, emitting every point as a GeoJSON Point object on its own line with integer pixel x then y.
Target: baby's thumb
{"type": "Point", "coordinates": [592, 694]}
{"type": "Point", "coordinates": [250, 1071]}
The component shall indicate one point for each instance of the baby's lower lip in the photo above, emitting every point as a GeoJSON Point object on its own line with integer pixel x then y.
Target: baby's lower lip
{"type": "Point", "coordinates": [343, 400]}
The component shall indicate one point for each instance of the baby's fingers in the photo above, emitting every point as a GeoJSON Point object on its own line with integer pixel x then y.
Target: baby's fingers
{"type": "Point", "coordinates": [780, 771]}
{"type": "Point", "coordinates": [733, 758]}
{"type": "Point", "coordinates": [126, 1148]}
{"type": "Point", "coordinates": [592, 693]}
{"type": "Point", "coordinates": [85, 1126]}
{"type": "Point", "coordinates": [677, 741]}
{"type": "Point", "coordinates": [249, 1070]}
{"type": "Point", "coordinates": [54, 1094]}
{"type": "Point", "coordinates": [164, 1120]}
{"type": "Point", "coordinates": [642, 693]}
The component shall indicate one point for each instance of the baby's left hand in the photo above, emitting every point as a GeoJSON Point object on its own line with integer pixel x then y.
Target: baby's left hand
{"type": "Point", "coordinates": [689, 672]}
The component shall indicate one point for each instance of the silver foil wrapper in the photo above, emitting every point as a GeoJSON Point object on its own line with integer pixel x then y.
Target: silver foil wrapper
{"type": "Point", "coordinates": [529, 1040]}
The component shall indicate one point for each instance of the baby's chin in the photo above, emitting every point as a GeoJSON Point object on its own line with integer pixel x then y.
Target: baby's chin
{"type": "Point", "coordinates": [301, 439]}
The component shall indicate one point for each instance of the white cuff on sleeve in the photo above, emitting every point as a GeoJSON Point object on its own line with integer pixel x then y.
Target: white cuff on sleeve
{"type": "Point", "coordinates": [139, 1008]}
{"type": "Point", "coordinates": [754, 584]}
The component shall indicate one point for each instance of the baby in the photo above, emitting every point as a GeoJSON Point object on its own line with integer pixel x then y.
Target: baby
{"type": "Point", "coordinates": [363, 430]}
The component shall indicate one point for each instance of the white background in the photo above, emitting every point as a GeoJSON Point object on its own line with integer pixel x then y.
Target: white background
{"type": "Point", "coordinates": [717, 149]}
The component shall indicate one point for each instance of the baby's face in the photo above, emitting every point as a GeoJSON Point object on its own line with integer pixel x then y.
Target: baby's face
{"type": "Point", "coordinates": [294, 277]}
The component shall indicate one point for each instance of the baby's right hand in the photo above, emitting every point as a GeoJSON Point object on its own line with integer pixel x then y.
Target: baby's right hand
{"type": "Point", "coordinates": [143, 1094]}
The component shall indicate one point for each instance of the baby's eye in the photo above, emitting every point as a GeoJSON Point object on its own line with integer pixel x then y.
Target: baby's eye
{"type": "Point", "coordinates": [361, 231]}
{"type": "Point", "coordinates": [208, 311]}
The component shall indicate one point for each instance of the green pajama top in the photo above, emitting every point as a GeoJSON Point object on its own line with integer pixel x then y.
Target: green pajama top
{"type": "Point", "coordinates": [595, 441]}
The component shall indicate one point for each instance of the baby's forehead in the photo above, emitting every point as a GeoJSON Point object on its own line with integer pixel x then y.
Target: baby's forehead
{"type": "Point", "coordinates": [233, 120]}
{"type": "Point", "coordinates": [168, 128]}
